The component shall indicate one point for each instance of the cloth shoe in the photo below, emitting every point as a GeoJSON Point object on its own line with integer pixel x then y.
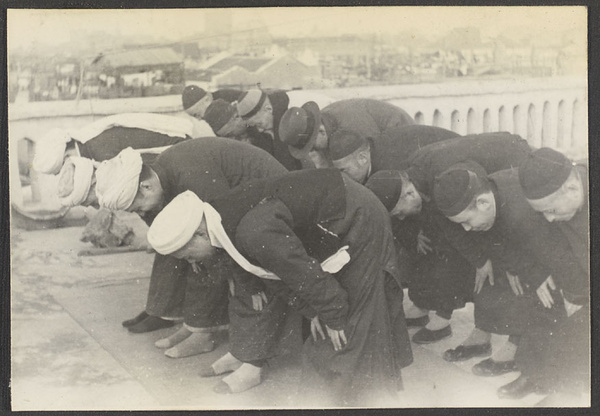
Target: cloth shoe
{"type": "Point", "coordinates": [465, 352]}
{"type": "Point", "coordinates": [491, 368]}
{"type": "Point", "coordinates": [130, 322]}
{"type": "Point", "coordinates": [417, 322]}
{"type": "Point", "coordinates": [427, 336]}
{"type": "Point", "coordinates": [518, 389]}
{"type": "Point", "coordinates": [151, 323]}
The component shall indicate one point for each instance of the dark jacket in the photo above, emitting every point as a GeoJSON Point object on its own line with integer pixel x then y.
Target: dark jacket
{"type": "Point", "coordinates": [313, 198]}
{"type": "Point", "coordinates": [364, 116]}
{"type": "Point", "coordinates": [393, 149]}
{"type": "Point", "coordinates": [263, 220]}
{"type": "Point", "coordinates": [517, 238]}
{"type": "Point", "coordinates": [110, 142]}
{"type": "Point", "coordinates": [568, 251]}
{"type": "Point", "coordinates": [210, 166]}
{"type": "Point", "coordinates": [493, 151]}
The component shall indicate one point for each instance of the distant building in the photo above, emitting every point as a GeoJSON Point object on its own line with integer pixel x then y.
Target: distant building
{"type": "Point", "coordinates": [139, 72]}
{"type": "Point", "coordinates": [245, 72]}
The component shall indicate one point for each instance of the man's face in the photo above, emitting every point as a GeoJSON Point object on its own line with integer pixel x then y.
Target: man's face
{"type": "Point", "coordinates": [234, 127]}
{"type": "Point", "coordinates": [198, 249]}
{"type": "Point", "coordinates": [148, 199]}
{"type": "Point", "coordinates": [355, 165]}
{"type": "Point", "coordinates": [322, 142]}
{"type": "Point", "coordinates": [480, 217]}
{"type": "Point", "coordinates": [263, 120]}
{"type": "Point", "coordinates": [563, 204]}
{"type": "Point", "coordinates": [409, 203]}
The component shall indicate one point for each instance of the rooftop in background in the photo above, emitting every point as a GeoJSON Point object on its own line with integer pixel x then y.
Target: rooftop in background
{"type": "Point", "coordinates": [139, 57]}
{"type": "Point", "coordinates": [249, 63]}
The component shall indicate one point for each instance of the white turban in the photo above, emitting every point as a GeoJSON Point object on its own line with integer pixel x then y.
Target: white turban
{"type": "Point", "coordinates": [75, 181]}
{"type": "Point", "coordinates": [176, 224]}
{"type": "Point", "coordinates": [50, 151]}
{"type": "Point", "coordinates": [117, 180]}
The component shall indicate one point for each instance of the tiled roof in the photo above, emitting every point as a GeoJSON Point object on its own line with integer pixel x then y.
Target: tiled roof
{"type": "Point", "coordinates": [250, 64]}
{"type": "Point", "coordinates": [141, 57]}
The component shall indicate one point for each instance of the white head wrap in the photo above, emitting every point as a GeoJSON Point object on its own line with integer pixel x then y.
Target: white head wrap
{"type": "Point", "coordinates": [50, 151]}
{"type": "Point", "coordinates": [117, 180]}
{"type": "Point", "coordinates": [82, 180]}
{"type": "Point", "coordinates": [176, 224]}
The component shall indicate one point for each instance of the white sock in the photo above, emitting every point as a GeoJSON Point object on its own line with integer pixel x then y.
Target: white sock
{"type": "Point", "coordinates": [196, 343]}
{"type": "Point", "coordinates": [412, 312]}
{"type": "Point", "coordinates": [477, 337]}
{"type": "Point", "coordinates": [506, 353]}
{"type": "Point", "coordinates": [244, 378]}
{"type": "Point", "coordinates": [437, 322]}
{"type": "Point", "coordinates": [226, 363]}
{"type": "Point", "coordinates": [174, 339]}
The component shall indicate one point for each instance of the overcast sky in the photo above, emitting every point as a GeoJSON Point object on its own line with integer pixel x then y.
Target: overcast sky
{"type": "Point", "coordinates": [58, 26]}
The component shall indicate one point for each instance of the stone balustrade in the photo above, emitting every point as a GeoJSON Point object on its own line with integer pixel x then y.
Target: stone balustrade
{"type": "Point", "coordinates": [548, 112]}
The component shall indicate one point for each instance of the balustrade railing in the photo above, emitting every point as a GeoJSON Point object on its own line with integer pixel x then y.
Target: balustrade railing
{"type": "Point", "coordinates": [548, 112]}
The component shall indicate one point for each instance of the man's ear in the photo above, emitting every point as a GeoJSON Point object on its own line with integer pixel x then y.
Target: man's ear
{"type": "Point", "coordinates": [364, 156]}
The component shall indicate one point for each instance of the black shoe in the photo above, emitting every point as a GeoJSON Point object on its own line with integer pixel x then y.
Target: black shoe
{"type": "Point", "coordinates": [151, 323]}
{"type": "Point", "coordinates": [130, 322]}
{"type": "Point", "coordinates": [417, 322]}
{"type": "Point", "coordinates": [465, 352]}
{"type": "Point", "coordinates": [427, 336]}
{"type": "Point", "coordinates": [518, 389]}
{"type": "Point", "coordinates": [491, 368]}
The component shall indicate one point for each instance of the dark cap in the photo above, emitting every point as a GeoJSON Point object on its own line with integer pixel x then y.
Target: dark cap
{"type": "Point", "coordinates": [456, 187]}
{"type": "Point", "coordinates": [343, 143]}
{"type": "Point", "coordinates": [298, 128]}
{"type": "Point", "coordinates": [387, 186]}
{"type": "Point", "coordinates": [250, 102]}
{"type": "Point", "coordinates": [191, 95]}
{"type": "Point", "coordinates": [543, 173]}
{"type": "Point", "coordinates": [218, 113]}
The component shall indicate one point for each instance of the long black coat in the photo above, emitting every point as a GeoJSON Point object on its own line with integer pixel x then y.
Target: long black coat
{"type": "Point", "coordinates": [364, 299]}
{"type": "Point", "coordinates": [209, 167]}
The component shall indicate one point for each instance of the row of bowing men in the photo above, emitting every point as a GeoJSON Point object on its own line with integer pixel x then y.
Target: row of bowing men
{"type": "Point", "coordinates": [246, 230]}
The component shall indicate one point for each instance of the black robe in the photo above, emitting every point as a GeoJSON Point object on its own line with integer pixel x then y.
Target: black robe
{"type": "Point", "coordinates": [264, 220]}
{"type": "Point", "coordinates": [209, 167]}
